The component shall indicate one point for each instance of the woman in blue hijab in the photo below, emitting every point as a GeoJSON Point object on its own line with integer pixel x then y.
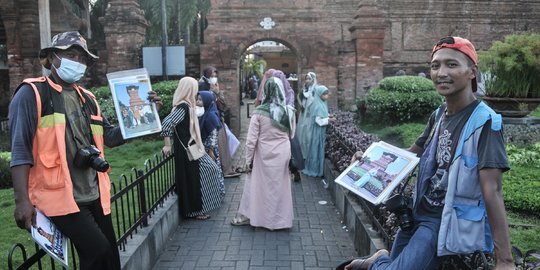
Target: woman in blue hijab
{"type": "Point", "coordinates": [209, 124]}
{"type": "Point", "coordinates": [318, 117]}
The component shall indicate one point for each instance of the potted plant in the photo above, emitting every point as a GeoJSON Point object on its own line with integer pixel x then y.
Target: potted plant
{"type": "Point", "coordinates": [512, 67]}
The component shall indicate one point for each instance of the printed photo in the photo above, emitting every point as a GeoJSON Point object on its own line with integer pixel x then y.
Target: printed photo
{"type": "Point", "coordinates": [380, 170]}
{"type": "Point", "coordinates": [137, 116]}
{"type": "Point", "coordinates": [50, 239]}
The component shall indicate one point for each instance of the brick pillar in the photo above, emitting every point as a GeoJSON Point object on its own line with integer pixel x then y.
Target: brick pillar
{"type": "Point", "coordinates": [368, 36]}
{"type": "Point", "coordinates": [125, 30]}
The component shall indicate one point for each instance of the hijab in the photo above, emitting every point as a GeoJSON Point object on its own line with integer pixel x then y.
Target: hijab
{"type": "Point", "coordinates": [308, 92]}
{"type": "Point", "coordinates": [267, 75]}
{"type": "Point", "coordinates": [273, 105]}
{"type": "Point", "coordinates": [319, 107]}
{"type": "Point", "coordinates": [289, 92]}
{"type": "Point", "coordinates": [186, 92]}
{"type": "Point", "coordinates": [210, 119]}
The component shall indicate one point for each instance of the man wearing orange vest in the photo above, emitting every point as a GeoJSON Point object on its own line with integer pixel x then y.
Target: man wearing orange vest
{"type": "Point", "coordinates": [58, 166]}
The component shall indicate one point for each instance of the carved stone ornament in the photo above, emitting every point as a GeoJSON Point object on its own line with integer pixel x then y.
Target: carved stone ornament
{"type": "Point", "coordinates": [267, 23]}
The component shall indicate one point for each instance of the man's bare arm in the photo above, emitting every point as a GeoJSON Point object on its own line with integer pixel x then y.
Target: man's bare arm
{"type": "Point", "coordinates": [491, 185]}
{"type": "Point", "coordinates": [25, 215]}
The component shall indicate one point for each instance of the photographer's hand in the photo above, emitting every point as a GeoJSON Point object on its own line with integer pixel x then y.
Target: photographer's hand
{"type": "Point", "coordinates": [153, 97]}
{"type": "Point", "coordinates": [357, 156]}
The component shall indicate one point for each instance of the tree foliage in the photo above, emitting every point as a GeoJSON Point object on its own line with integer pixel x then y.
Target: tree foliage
{"type": "Point", "coordinates": [181, 15]}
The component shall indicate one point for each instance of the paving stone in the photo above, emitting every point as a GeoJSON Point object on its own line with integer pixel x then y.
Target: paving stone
{"type": "Point", "coordinates": [316, 241]}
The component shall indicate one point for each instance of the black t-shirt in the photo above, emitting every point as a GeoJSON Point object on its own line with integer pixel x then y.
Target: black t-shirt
{"type": "Point", "coordinates": [491, 154]}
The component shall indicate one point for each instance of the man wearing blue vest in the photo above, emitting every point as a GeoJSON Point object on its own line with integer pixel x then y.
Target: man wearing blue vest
{"type": "Point", "coordinates": [458, 206]}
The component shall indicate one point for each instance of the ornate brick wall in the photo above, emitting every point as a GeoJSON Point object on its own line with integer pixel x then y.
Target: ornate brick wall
{"type": "Point", "coordinates": [351, 45]}
{"type": "Point", "coordinates": [313, 30]}
{"type": "Point", "coordinates": [412, 27]}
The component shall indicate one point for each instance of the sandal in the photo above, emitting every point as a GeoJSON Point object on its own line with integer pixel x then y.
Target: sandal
{"type": "Point", "coordinates": [239, 170]}
{"type": "Point", "coordinates": [235, 174]}
{"type": "Point", "coordinates": [202, 217]}
{"type": "Point", "coordinates": [238, 221]}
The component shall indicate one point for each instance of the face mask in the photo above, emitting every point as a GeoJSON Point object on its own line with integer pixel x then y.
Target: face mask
{"type": "Point", "coordinates": [212, 80]}
{"type": "Point", "coordinates": [70, 71]}
{"type": "Point", "coordinates": [199, 111]}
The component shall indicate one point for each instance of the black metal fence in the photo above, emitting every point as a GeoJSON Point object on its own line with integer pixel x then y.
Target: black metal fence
{"type": "Point", "coordinates": [137, 195]}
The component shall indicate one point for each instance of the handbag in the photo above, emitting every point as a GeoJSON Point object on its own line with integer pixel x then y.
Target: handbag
{"type": "Point", "coordinates": [193, 151]}
{"type": "Point", "coordinates": [233, 141]}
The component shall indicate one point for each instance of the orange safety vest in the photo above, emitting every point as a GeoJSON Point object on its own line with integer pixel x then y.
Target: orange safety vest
{"type": "Point", "coordinates": [49, 182]}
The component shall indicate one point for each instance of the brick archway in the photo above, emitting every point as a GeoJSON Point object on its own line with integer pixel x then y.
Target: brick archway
{"type": "Point", "coordinates": [225, 53]}
{"type": "Point", "coordinates": [243, 48]}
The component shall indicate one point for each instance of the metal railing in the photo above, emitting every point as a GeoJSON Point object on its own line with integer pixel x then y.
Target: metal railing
{"type": "Point", "coordinates": [140, 193]}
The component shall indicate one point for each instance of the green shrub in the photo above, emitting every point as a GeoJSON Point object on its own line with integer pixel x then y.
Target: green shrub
{"type": "Point", "coordinates": [5, 171]}
{"type": "Point", "coordinates": [406, 84]}
{"type": "Point", "coordinates": [520, 187]}
{"type": "Point", "coordinates": [4, 142]}
{"type": "Point", "coordinates": [524, 156]}
{"type": "Point", "coordinates": [165, 90]}
{"type": "Point", "coordinates": [398, 107]}
{"type": "Point", "coordinates": [104, 98]}
{"type": "Point", "coordinates": [521, 184]}
{"type": "Point", "coordinates": [515, 62]}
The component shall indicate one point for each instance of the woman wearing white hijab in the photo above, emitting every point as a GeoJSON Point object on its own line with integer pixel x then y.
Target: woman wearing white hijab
{"type": "Point", "coordinates": [305, 98]}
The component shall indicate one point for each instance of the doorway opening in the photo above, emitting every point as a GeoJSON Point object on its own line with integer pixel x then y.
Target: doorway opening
{"type": "Point", "coordinates": [255, 61]}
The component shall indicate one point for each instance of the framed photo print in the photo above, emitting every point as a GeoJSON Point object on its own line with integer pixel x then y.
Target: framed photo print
{"type": "Point", "coordinates": [381, 169]}
{"type": "Point", "coordinates": [137, 116]}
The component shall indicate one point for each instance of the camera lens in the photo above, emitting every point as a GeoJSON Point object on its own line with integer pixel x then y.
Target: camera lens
{"type": "Point", "coordinates": [99, 164]}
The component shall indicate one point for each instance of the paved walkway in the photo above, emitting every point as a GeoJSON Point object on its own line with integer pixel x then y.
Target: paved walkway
{"type": "Point", "coordinates": [318, 239]}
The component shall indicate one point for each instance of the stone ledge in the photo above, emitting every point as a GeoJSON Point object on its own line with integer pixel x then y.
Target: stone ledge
{"type": "Point", "coordinates": [144, 247]}
{"type": "Point", "coordinates": [366, 239]}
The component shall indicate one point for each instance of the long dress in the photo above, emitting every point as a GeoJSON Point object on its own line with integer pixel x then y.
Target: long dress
{"type": "Point", "coordinates": [317, 115]}
{"type": "Point", "coordinates": [305, 98]}
{"type": "Point", "coordinates": [267, 196]}
{"type": "Point", "coordinates": [198, 181]}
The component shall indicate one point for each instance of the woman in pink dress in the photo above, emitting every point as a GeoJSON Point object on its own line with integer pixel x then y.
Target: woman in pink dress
{"type": "Point", "coordinates": [267, 196]}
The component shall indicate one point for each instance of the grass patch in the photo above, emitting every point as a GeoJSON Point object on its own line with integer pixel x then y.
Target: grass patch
{"type": "Point", "coordinates": [524, 230]}
{"type": "Point", "coordinates": [536, 112]}
{"type": "Point", "coordinates": [122, 158]}
{"type": "Point", "coordinates": [403, 135]}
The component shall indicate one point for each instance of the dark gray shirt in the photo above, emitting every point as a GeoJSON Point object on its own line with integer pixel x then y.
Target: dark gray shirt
{"type": "Point", "coordinates": [491, 154]}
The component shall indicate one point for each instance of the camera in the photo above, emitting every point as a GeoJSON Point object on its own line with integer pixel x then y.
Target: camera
{"type": "Point", "coordinates": [400, 205]}
{"type": "Point", "coordinates": [89, 157]}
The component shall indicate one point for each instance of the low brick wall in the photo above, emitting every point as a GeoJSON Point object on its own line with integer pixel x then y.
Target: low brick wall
{"type": "Point", "coordinates": [522, 131]}
{"type": "Point", "coordinates": [144, 247]}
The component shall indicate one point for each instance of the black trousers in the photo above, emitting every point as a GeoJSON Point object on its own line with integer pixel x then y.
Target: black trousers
{"type": "Point", "coordinates": [92, 233]}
